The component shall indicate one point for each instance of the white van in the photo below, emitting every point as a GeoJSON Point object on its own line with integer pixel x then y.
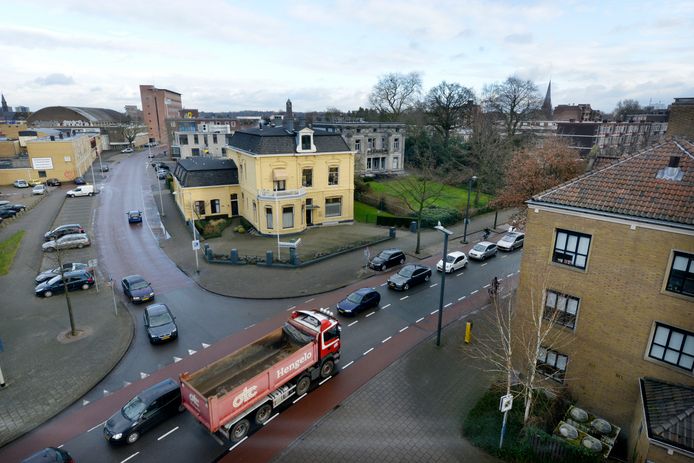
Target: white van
{"type": "Point", "coordinates": [83, 190]}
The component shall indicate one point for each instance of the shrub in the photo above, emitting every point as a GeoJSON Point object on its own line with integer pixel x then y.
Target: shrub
{"type": "Point", "coordinates": [212, 228]}
{"type": "Point", "coordinates": [446, 215]}
{"type": "Point", "coordinates": [246, 224]}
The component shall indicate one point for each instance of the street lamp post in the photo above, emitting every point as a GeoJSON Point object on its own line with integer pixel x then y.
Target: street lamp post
{"type": "Point", "coordinates": [467, 208]}
{"type": "Point", "coordinates": [195, 238]}
{"type": "Point", "coordinates": [446, 234]}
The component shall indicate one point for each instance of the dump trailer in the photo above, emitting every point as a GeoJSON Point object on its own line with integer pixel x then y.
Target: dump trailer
{"type": "Point", "coordinates": [245, 386]}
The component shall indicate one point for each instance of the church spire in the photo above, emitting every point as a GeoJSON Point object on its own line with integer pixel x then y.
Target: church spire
{"type": "Point", "coordinates": [547, 104]}
{"type": "Point", "coordinates": [5, 108]}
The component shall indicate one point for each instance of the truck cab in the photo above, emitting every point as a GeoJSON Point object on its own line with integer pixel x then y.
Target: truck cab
{"type": "Point", "coordinates": [326, 329]}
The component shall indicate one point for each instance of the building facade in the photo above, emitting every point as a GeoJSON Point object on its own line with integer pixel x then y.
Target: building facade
{"type": "Point", "coordinates": [379, 147]}
{"type": "Point", "coordinates": [200, 137]}
{"type": "Point", "coordinates": [615, 249]}
{"type": "Point", "coordinates": [158, 105]}
{"type": "Point", "coordinates": [206, 187]}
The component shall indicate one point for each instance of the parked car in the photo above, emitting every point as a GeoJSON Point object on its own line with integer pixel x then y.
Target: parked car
{"type": "Point", "coordinates": [161, 174]}
{"type": "Point", "coordinates": [14, 207]}
{"type": "Point", "coordinates": [53, 182]}
{"type": "Point", "coordinates": [409, 275]}
{"type": "Point", "coordinates": [78, 240]}
{"type": "Point", "coordinates": [137, 289]}
{"type": "Point", "coordinates": [77, 279]}
{"type": "Point", "coordinates": [67, 229]}
{"type": "Point", "coordinates": [49, 455]}
{"type": "Point", "coordinates": [34, 181]}
{"type": "Point", "coordinates": [39, 189]}
{"type": "Point", "coordinates": [127, 150]}
{"type": "Point", "coordinates": [454, 261]}
{"type": "Point", "coordinates": [134, 216]}
{"type": "Point", "coordinates": [161, 165]}
{"type": "Point", "coordinates": [84, 190]}
{"type": "Point", "coordinates": [6, 213]}
{"type": "Point", "coordinates": [144, 411]}
{"type": "Point", "coordinates": [387, 258]}
{"type": "Point", "coordinates": [80, 181]}
{"type": "Point", "coordinates": [67, 267]}
{"type": "Point", "coordinates": [511, 241]}
{"type": "Point", "coordinates": [361, 299]}
{"type": "Point", "coordinates": [160, 323]}
{"type": "Point", "coordinates": [482, 250]}
{"type": "Point", "coordinates": [21, 183]}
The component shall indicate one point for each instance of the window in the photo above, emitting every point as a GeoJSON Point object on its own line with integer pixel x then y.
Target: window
{"type": "Point", "coordinates": [383, 143]}
{"type": "Point", "coordinates": [306, 142]}
{"type": "Point", "coordinates": [204, 139]}
{"type": "Point", "coordinates": [200, 207]}
{"type": "Point", "coordinates": [552, 364]}
{"type": "Point", "coordinates": [195, 151]}
{"type": "Point", "coordinates": [183, 139]}
{"type": "Point", "coordinates": [561, 308]}
{"type": "Point", "coordinates": [673, 346]}
{"type": "Point", "coordinates": [307, 178]}
{"type": "Point", "coordinates": [279, 185]}
{"type": "Point", "coordinates": [370, 143]}
{"type": "Point", "coordinates": [396, 163]}
{"type": "Point", "coordinates": [571, 248]}
{"type": "Point", "coordinates": [288, 217]}
{"type": "Point", "coordinates": [357, 146]}
{"type": "Point", "coordinates": [681, 278]}
{"type": "Point", "coordinates": [214, 138]}
{"type": "Point", "coordinates": [214, 206]}
{"type": "Point", "coordinates": [268, 217]}
{"type": "Point", "coordinates": [396, 144]}
{"type": "Point", "coordinates": [333, 207]}
{"type": "Point", "coordinates": [196, 140]}
{"type": "Point", "coordinates": [333, 175]}
{"type": "Point", "coordinates": [368, 163]}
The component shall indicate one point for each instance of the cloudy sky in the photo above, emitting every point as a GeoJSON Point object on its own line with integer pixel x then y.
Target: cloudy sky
{"type": "Point", "coordinates": [225, 55]}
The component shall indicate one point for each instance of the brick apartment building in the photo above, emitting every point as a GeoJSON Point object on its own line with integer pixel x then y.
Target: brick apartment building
{"type": "Point", "coordinates": [158, 105]}
{"type": "Point", "coordinates": [611, 254]}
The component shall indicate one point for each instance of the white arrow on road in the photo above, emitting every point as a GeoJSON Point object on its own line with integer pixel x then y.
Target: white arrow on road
{"type": "Point", "coordinates": [177, 359]}
{"type": "Point", "coordinates": [205, 346]}
{"type": "Point", "coordinates": [143, 375]}
{"type": "Point", "coordinates": [191, 351]}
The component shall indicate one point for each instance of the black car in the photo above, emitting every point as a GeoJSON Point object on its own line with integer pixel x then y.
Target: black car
{"type": "Point", "coordinates": [134, 216]}
{"type": "Point", "coordinates": [80, 181]}
{"type": "Point", "coordinates": [67, 267]}
{"type": "Point", "coordinates": [387, 258]}
{"type": "Point", "coordinates": [160, 323]}
{"type": "Point", "coordinates": [104, 168]}
{"type": "Point", "coordinates": [14, 207]}
{"type": "Point", "coordinates": [144, 411]}
{"type": "Point", "coordinates": [7, 213]}
{"type": "Point", "coordinates": [137, 289]}
{"type": "Point", "coordinates": [53, 182]}
{"type": "Point", "coordinates": [67, 229]}
{"type": "Point", "coordinates": [409, 275]}
{"type": "Point", "coordinates": [361, 299]}
{"type": "Point", "coordinates": [49, 455]}
{"type": "Point", "coordinates": [78, 279]}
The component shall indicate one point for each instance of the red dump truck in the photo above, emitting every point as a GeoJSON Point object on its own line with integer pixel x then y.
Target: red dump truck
{"type": "Point", "coordinates": [243, 388]}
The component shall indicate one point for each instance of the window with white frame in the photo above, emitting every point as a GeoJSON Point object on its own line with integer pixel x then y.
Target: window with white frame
{"type": "Point", "coordinates": [333, 207]}
{"type": "Point", "coordinates": [268, 217]}
{"type": "Point", "coordinates": [552, 364]}
{"type": "Point", "coordinates": [396, 144]}
{"type": "Point", "coordinates": [561, 309]}
{"type": "Point", "coordinates": [370, 143]}
{"type": "Point", "coordinates": [673, 346]}
{"type": "Point", "coordinates": [681, 277]}
{"type": "Point", "coordinates": [357, 146]}
{"type": "Point", "coordinates": [279, 185]}
{"type": "Point", "coordinates": [199, 207]}
{"type": "Point", "coordinates": [396, 163]}
{"type": "Point", "coordinates": [333, 175]}
{"type": "Point", "coordinates": [214, 206]}
{"type": "Point", "coordinates": [571, 248]}
{"type": "Point", "coordinates": [288, 217]}
{"type": "Point", "coordinates": [307, 177]}
{"type": "Point", "coordinates": [368, 163]}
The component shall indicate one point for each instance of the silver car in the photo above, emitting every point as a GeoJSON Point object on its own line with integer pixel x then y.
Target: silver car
{"type": "Point", "coordinates": [77, 240]}
{"type": "Point", "coordinates": [482, 250]}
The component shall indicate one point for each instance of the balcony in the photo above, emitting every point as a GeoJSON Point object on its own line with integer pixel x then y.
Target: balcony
{"type": "Point", "coordinates": [281, 194]}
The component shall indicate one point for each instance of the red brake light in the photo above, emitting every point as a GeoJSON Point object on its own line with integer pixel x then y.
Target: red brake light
{"type": "Point", "coordinates": [90, 280]}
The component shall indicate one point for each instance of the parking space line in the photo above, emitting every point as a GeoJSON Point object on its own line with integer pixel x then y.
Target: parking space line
{"type": "Point", "coordinates": [403, 329]}
{"type": "Point", "coordinates": [404, 297]}
{"type": "Point", "coordinates": [419, 320]}
{"type": "Point", "coordinates": [368, 351]}
{"type": "Point", "coordinates": [291, 308]}
{"type": "Point", "coordinates": [459, 274]}
{"type": "Point", "coordinates": [131, 456]}
{"type": "Point", "coordinates": [249, 326]}
{"type": "Point", "coordinates": [448, 305]}
{"type": "Point", "coordinates": [369, 314]}
{"type": "Point", "coordinates": [163, 436]}
{"type": "Point", "coordinates": [353, 323]}
{"type": "Point", "coordinates": [310, 300]}
{"type": "Point", "coordinates": [504, 257]}
{"type": "Point", "coordinates": [435, 284]}
{"type": "Point", "coordinates": [475, 291]}
{"type": "Point", "coordinates": [385, 306]}
{"type": "Point", "coordinates": [299, 398]}
{"type": "Point", "coordinates": [432, 313]}
{"type": "Point", "coordinates": [384, 283]}
{"type": "Point", "coordinates": [348, 364]}
{"type": "Point", "coordinates": [387, 339]}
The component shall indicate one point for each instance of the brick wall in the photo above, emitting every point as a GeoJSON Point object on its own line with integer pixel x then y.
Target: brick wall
{"type": "Point", "coordinates": [681, 121]}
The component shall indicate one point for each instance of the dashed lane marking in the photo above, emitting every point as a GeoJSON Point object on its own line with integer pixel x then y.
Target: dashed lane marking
{"type": "Point", "coordinates": [459, 274]}
{"type": "Point", "coordinates": [272, 418]}
{"type": "Point", "coordinates": [487, 286]}
{"type": "Point", "coordinates": [385, 306]}
{"type": "Point", "coordinates": [448, 305]}
{"type": "Point", "coordinates": [461, 298]}
{"type": "Point", "coordinates": [236, 444]}
{"type": "Point", "coordinates": [404, 297]}
{"type": "Point", "coordinates": [419, 320]}
{"type": "Point", "coordinates": [484, 264]}
{"type": "Point", "coordinates": [368, 351]}
{"type": "Point", "coordinates": [321, 383]}
{"type": "Point", "coordinates": [131, 456]}
{"type": "Point", "coordinates": [98, 425]}
{"type": "Point", "coordinates": [61, 446]}
{"type": "Point", "coordinates": [345, 367]}
{"type": "Point", "coordinates": [369, 314]}
{"type": "Point", "coordinates": [353, 323]}
{"type": "Point", "coordinates": [299, 398]}
{"type": "Point", "coordinates": [177, 359]}
{"type": "Point", "coordinates": [249, 326]}
{"type": "Point", "coordinates": [475, 291]}
{"type": "Point", "coordinates": [435, 284]}
{"type": "Point", "coordinates": [432, 313]}
{"type": "Point", "coordinates": [386, 339]}
{"type": "Point", "coordinates": [403, 329]}
{"type": "Point", "coordinates": [509, 275]}
{"type": "Point", "coordinates": [310, 300]}
{"type": "Point", "coordinates": [164, 435]}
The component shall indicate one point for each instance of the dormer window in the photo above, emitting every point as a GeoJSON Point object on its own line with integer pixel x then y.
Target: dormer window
{"type": "Point", "coordinates": [304, 141]}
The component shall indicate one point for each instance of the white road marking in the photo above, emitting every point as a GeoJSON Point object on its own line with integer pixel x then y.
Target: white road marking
{"type": "Point", "coordinates": [487, 286]}
{"type": "Point", "coordinates": [435, 284]}
{"type": "Point", "coordinates": [348, 365]}
{"type": "Point", "coordinates": [385, 306]}
{"type": "Point", "coordinates": [459, 274]}
{"type": "Point", "coordinates": [475, 291]}
{"type": "Point", "coordinates": [310, 300]}
{"type": "Point", "coordinates": [461, 298]}
{"type": "Point", "coordinates": [403, 329]}
{"type": "Point", "coordinates": [61, 446]}
{"type": "Point", "coordinates": [386, 339]}
{"type": "Point", "coordinates": [131, 456]}
{"type": "Point", "coordinates": [164, 435]}
{"type": "Point", "coordinates": [321, 383]}
{"type": "Point", "coordinates": [353, 323]}
{"type": "Point", "coordinates": [384, 283]}
{"type": "Point", "coordinates": [509, 275]}
{"type": "Point", "coordinates": [143, 375]}
{"type": "Point", "coordinates": [292, 307]}
{"type": "Point", "coordinates": [368, 351]}
{"type": "Point", "coordinates": [191, 351]}
{"type": "Point", "coordinates": [369, 314]}
{"type": "Point", "coordinates": [272, 418]}
{"type": "Point", "coordinates": [85, 402]}
{"type": "Point", "coordinates": [235, 445]}
{"type": "Point", "coordinates": [432, 313]}
{"type": "Point", "coordinates": [299, 398]}
{"type": "Point", "coordinates": [126, 383]}
{"type": "Point", "coordinates": [404, 297]}
{"type": "Point", "coordinates": [448, 305]}
{"type": "Point", "coordinates": [98, 425]}
{"type": "Point", "coordinates": [106, 392]}
{"type": "Point", "coordinates": [504, 257]}
{"type": "Point", "coordinates": [517, 271]}
{"type": "Point", "coordinates": [205, 346]}
{"type": "Point", "coordinates": [484, 264]}
{"type": "Point", "coordinates": [249, 326]}
{"type": "Point", "coordinates": [419, 320]}
{"type": "Point", "coordinates": [474, 312]}
{"type": "Point", "coordinates": [177, 359]}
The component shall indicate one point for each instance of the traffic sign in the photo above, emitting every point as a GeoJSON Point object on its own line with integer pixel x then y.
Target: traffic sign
{"type": "Point", "coordinates": [506, 403]}
{"type": "Point", "coordinates": [92, 263]}
{"type": "Point", "coordinates": [196, 245]}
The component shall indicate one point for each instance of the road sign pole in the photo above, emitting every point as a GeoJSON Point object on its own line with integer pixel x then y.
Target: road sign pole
{"type": "Point", "coordinates": [503, 430]}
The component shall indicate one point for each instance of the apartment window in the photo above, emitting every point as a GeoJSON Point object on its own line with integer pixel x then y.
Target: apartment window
{"type": "Point", "coordinates": [279, 185]}
{"type": "Point", "coordinates": [561, 308]}
{"type": "Point", "coordinates": [396, 163]}
{"type": "Point", "coordinates": [333, 207]}
{"type": "Point", "coordinates": [183, 139]}
{"type": "Point", "coordinates": [383, 143]}
{"type": "Point", "coordinates": [195, 151]}
{"type": "Point", "coordinates": [571, 248]}
{"type": "Point", "coordinates": [307, 178]}
{"type": "Point", "coordinates": [214, 206]}
{"type": "Point", "coordinates": [214, 138]}
{"type": "Point", "coordinates": [552, 364]}
{"type": "Point", "coordinates": [196, 140]}
{"type": "Point", "coordinates": [200, 207]}
{"type": "Point", "coordinates": [368, 163]}
{"type": "Point", "coordinates": [357, 146]}
{"type": "Point", "coordinates": [204, 139]}
{"type": "Point", "coordinates": [673, 346]}
{"type": "Point", "coordinates": [396, 144]}
{"type": "Point", "coordinates": [681, 278]}
{"type": "Point", "coordinates": [288, 217]}
{"type": "Point", "coordinates": [268, 217]}
{"type": "Point", "coordinates": [306, 142]}
{"type": "Point", "coordinates": [333, 175]}
{"type": "Point", "coordinates": [370, 143]}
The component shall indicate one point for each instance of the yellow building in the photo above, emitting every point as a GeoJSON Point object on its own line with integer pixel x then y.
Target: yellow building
{"type": "Point", "coordinates": [611, 257]}
{"type": "Point", "coordinates": [62, 158]}
{"type": "Point", "coordinates": [206, 187]}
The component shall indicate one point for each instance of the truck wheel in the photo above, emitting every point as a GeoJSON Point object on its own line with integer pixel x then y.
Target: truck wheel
{"type": "Point", "coordinates": [327, 369]}
{"type": "Point", "coordinates": [132, 438]}
{"type": "Point", "coordinates": [302, 385]}
{"type": "Point", "coordinates": [263, 413]}
{"type": "Point", "coordinates": [240, 429]}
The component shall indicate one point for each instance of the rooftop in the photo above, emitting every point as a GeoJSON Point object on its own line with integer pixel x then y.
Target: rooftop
{"type": "Point", "coordinates": [279, 140]}
{"type": "Point", "coordinates": [669, 410]}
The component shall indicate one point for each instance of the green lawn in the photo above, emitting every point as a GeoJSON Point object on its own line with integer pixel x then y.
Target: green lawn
{"type": "Point", "coordinates": [367, 214]}
{"type": "Point", "coordinates": [452, 197]}
{"type": "Point", "coordinates": [8, 249]}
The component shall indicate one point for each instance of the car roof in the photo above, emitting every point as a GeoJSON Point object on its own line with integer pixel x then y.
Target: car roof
{"type": "Point", "coordinates": [159, 389]}
{"type": "Point", "coordinates": [72, 236]}
{"type": "Point", "coordinates": [134, 278]}
{"type": "Point", "coordinates": [390, 251]}
{"type": "Point", "coordinates": [67, 225]}
{"type": "Point", "coordinates": [134, 212]}
{"type": "Point", "coordinates": [486, 243]}
{"type": "Point", "coordinates": [73, 273]}
{"type": "Point", "coordinates": [155, 309]}
{"type": "Point", "coordinates": [456, 253]}
{"type": "Point", "coordinates": [513, 234]}
{"type": "Point", "coordinates": [363, 291]}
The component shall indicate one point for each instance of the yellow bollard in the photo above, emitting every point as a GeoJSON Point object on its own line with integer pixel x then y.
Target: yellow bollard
{"type": "Point", "coordinates": [468, 332]}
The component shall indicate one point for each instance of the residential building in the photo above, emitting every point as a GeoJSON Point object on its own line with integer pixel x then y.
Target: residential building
{"type": "Point", "coordinates": [132, 113]}
{"type": "Point", "coordinates": [574, 113]}
{"type": "Point", "coordinates": [681, 120]}
{"type": "Point", "coordinates": [205, 187]}
{"type": "Point", "coordinates": [158, 105]}
{"type": "Point", "coordinates": [609, 259]}
{"type": "Point", "coordinates": [611, 137]}
{"type": "Point", "coordinates": [199, 137]}
{"type": "Point", "coordinates": [379, 147]}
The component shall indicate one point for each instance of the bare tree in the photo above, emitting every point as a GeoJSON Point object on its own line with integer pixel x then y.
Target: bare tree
{"type": "Point", "coordinates": [490, 154]}
{"type": "Point", "coordinates": [514, 100]}
{"type": "Point", "coordinates": [449, 106]}
{"type": "Point", "coordinates": [624, 108]}
{"type": "Point", "coordinates": [395, 93]}
{"type": "Point", "coordinates": [129, 133]}
{"type": "Point", "coordinates": [58, 259]}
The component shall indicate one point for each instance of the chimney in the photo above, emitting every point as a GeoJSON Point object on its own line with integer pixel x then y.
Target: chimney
{"type": "Point", "coordinates": [289, 117]}
{"type": "Point", "coordinates": [672, 171]}
{"type": "Point", "coordinates": [52, 137]}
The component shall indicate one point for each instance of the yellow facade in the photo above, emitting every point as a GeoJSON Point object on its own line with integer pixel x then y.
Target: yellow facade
{"type": "Point", "coordinates": [187, 197]}
{"type": "Point", "coordinates": [63, 159]}
{"type": "Point", "coordinates": [9, 148]}
{"type": "Point", "coordinates": [11, 131]}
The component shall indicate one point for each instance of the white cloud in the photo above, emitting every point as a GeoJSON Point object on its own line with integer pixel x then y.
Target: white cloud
{"type": "Point", "coordinates": [54, 79]}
